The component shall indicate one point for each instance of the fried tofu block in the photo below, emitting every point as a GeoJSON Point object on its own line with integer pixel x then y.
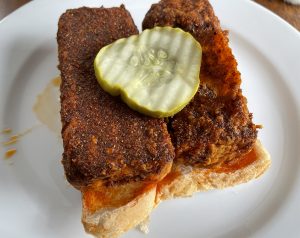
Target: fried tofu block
{"type": "Point", "coordinates": [216, 126]}
{"type": "Point", "coordinates": [104, 140]}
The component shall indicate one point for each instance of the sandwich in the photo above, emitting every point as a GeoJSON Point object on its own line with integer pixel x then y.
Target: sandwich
{"type": "Point", "coordinates": [125, 163]}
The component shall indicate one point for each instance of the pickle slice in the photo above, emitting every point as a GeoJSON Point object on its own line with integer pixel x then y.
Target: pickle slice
{"type": "Point", "coordinates": [156, 72]}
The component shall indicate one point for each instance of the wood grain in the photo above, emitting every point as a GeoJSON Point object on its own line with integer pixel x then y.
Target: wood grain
{"type": "Point", "coordinates": [8, 6]}
{"type": "Point", "coordinates": [291, 13]}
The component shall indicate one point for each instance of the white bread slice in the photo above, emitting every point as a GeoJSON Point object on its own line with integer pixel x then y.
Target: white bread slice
{"type": "Point", "coordinates": [191, 180]}
{"type": "Point", "coordinates": [112, 222]}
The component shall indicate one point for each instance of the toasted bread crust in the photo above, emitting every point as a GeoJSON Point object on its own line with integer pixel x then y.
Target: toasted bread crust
{"type": "Point", "coordinates": [215, 126]}
{"type": "Point", "coordinates": [103, 138]}
{"type": "Point", "coordinates": [191, 179]}
{"type": "Point", "coordinates": [112, 222]}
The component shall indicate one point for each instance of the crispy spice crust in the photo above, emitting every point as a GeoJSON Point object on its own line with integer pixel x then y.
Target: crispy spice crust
{"type": "Point", "coordinates": [216, 125]}
{"type": "Point", "coordinates": [103, 139]}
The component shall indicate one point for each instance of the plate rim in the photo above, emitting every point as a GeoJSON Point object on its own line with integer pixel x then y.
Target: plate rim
{"type": "Point", "coordinates": [279, 19]}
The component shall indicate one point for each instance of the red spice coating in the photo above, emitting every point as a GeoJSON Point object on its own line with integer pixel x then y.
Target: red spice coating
{"type": "Point", "coordinates": [103, 138]}
{"type": "Point", "coordinates": [216, 125]}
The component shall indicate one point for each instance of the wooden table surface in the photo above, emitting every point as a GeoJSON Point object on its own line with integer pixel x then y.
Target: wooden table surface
{"type": "Point", "coordinates": [291, 13]}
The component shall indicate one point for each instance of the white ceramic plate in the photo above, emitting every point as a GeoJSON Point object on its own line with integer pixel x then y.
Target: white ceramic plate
{"type": "Point", "coordinates": [36, 201]}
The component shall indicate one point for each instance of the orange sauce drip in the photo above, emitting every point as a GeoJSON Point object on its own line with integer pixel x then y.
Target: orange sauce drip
{"type": "Point", "coordinates": [10, 153]}
{"type": "Point", "coordinates": [96, 196]}
{"type": "Point", "coordinates": [15, 137]}
{"type": "Point", "coordinates": [10, 142]}
{"type": "Point", "coordinates": [56, 81]}
{"type": "Point", "coordinates": [6, 131]}
{"type": "Point", "coordinates": [238, 163]}
{"type": "Point", "coordinates": [47, 106]}
{"type": "Point", "coordinates": [170, 177]}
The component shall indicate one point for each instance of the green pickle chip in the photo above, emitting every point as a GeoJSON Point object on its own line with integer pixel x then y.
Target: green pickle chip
{"type": "Point", "coordinates": [156, 72]}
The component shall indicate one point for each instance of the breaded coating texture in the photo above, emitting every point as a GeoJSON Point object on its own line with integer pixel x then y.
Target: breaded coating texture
{"type": "Point", "coordinates": [215, 126]}
{"type": "Point", "coordinates": [102, 137]}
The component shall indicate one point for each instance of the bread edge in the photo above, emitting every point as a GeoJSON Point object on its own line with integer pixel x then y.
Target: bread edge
{"type": "Point", "coordinates": [111, 223]}
{"type": "Point", "coordinates": [194, 180]}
